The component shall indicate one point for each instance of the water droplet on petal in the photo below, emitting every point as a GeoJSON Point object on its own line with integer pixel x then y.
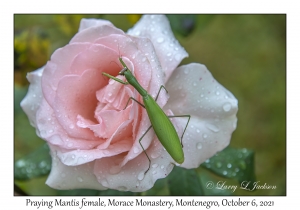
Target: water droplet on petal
{"type": "Point", "coordinates": [115, 170]}
{"type": "Point", "coordinates": [229, 165]}
{"type": "Point", "coordinates": [122, 188]}
{"type": "Point", "coordinates": [199, 146]}
{"type": "Point", "coordinates": [155, 154]}
{"type": "Point", "coordinates": [162, 167]}
{"type": "Point", "coordinates": [224, 172]}
{"type": "Point", "coordinates": [104, 183]}
{"type": "Point", "coordinates": [227, 107]}
{"type": "Point", "coordinates": [194, 84]}
{"type": "Point", "coordinates": [204, 135]}
{"type": "Point", "coordinates": [154, 165]}
{"type": "Point", "coordinates": [212, 127]}
{"type": "Point", "coordinates": [79, 179]}
{"type": "Point", "coordinates": [141, 175]}
{"type": "Point", "coordinates": [160, 40]}
{"type": "Point", "coordinates": [154, 172]}
{"type": "Point", "coordinates": [71, 126]}
{"type": "Point", "coordinates": [135, 150]}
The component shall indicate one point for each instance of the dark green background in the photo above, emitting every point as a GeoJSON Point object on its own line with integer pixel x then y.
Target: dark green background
{"type": "Point", "coordinates": [245, 53]}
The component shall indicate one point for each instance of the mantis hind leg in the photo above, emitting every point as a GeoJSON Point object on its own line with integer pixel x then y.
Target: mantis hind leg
{"type": "Point", "coordinates": [189, 116]}
{"type": "Point", "coordinates": [160, 90]}
{"type": "Point", "coordinates": [131, 98]}
{"type": "Point", "coordinates": [144, 149]}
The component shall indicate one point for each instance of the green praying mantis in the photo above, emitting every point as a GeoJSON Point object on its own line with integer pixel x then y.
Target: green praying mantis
{"type": "Point", "coordinates": [162, 126]}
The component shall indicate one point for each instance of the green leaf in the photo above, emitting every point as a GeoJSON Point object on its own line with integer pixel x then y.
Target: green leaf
{"type": "Point", "coordinates": [184, 182]}
{"type": "Point", "coordinates": [234, 163]}
{"type": "Point", "coordinates": [36, 164]}
{"type": "Point", "coordinates": [209, 183]}
{"type": "Point", "coordinates": [182, 24]}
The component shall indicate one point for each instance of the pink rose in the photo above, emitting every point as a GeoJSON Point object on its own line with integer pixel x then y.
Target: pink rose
{"type": "Point", "coordinates": [79, 112]}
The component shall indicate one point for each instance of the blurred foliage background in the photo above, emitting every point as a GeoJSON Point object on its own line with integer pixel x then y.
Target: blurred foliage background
{"type": "Point", "coordinates": [245, 53]}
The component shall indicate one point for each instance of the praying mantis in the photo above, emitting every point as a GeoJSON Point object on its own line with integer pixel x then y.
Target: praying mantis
{"type": "Point", "coordinates": [160, 122]}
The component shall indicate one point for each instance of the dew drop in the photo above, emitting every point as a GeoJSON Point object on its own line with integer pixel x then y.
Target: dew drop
{"type": "Point", "coordinates": [155, 154]}
{"type": "Point", "coordinates": [194, 84]}
{"type": "Point", "coordinates": [199, 146]}
{"type": "Point", "coordinates": [42, 164]}
{"type": "Point", "coordinates": [229, 165]}
{"type": "Point", "coordinates": [204, 135]}
{"type": "Point", "coordinates": [162, 167]}
{"type": "Point", "coordinates": [79, 179]}
{"type": "Point", "coordinates": [198, 131]}
{"type": "Point", "coordinates": [104, 183]}
{"type": "Point", "coordinates": [115, 170]}
{"type": "Point", "coordinates": [169, 54]}
{"type": "Point", "coordinates": [109, 94]}
{"type": "Point", "coordinates": [212, 127]}
{"type": "Point", "coordinates": [137, 33]}
{"type": "Point", "coordinates": [154, 165]}
{"type": "Point", "coordinates": [71, 126]}
{"type": "Point", "coordinates": [217, 93]}
{"type": "Point", "coordinates": [141, 176]}
{"type": "Point", "coordinates": [224, 172]}
{"type": "Point", "coordinates": [201, 95]}
{"type": "Point", "coordinates": [154, 172]}
{"type": "Point", "coordinates": [160, 40]}
{"type": "Point", "coordinates": [135, 150]}
{"type": "Point", "coordinates": [219, 164]}
{"type": "Point", "coordinates": [186, 71]}
{"type": "Point", "coordinates": [70, 144]}
{"type": "Point", "coordinates": [227, 107]}
{"type": "Point", "coordinates": [122, 188]}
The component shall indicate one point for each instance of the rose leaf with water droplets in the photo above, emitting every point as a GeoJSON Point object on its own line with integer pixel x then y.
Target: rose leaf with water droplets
{"type": "Point", "coordinates": [233, 163]}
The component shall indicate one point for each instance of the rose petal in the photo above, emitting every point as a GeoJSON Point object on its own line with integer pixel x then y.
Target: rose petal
{"type": "Point", "coordinates": [87, 23]}
{"type": "Point", "coordinates": [58, 66]}
{"type": "Point", "coordinates": [157, 29]}
{"type": "Point", "coordinates": [50, 129]}
{"type": "Point", "coordinates": [94, 32]}
{"type": "Point", "coordinates": [76, 96]}
{"type": "Point", "coordinates": [132, 177]}
{"type": "Point", "coordinates": [69, 177]}
{"type": "Point", "coordinates": [34, 97]}
{"type": "Point", "coordinates": [79, 157]}
{"type": "Point", "coordinates": [213, 110]}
